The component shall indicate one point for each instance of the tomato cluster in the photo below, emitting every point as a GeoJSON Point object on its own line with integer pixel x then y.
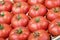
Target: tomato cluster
{"type": "Point", "coordinates": [29, 19]}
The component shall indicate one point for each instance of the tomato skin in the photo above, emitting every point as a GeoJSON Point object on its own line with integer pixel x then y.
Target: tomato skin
{"type": "Point", "coordinates": [5, 6]}
{"type": "Point", "coordinates": [37, 10]}
{"type": "Point", "coordinates": [21, 7]}
{"type": "Point", "coordinates": [5, 30]}
{"type": "Point", "coordinates": [5, 17]}
{"type": "Point", "coordinates": [19, 1]}
{"type": "Point", "coordinates": [53, 14]}
{"type": "Point", "coordinates": [33, 2]}
{"type": "Point", "coordinates": [54, 27]}
{"type": "Point", "coordinates": [22, 36]}
{"type": "Point", "coordinates": [52, 3]}
{"type": "Point", "coordinates": [2, 39]}
{"type": "Point", "coordinates": [12, 1]}
{"type": "Point", "coordinates": [38, 23]}
{"type": "Point", "coordinates": [15, 22]}
{"type": "Point", "coordinates": [40, 35]}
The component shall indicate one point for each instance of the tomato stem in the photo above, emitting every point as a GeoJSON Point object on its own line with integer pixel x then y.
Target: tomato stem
{"type": "Point", "coordinates": [36, 34]}
{"type": "Point", "coordinates": [19, 31]}
{"type": "Point", "coordinates": [56, 10]}
{"type": "Point", "coordinates": [37, 19]}
{"type": "Point", "coordinates": [1, 27]}
{"type": "Point", "coordinates": [19, 5]}
{"type": "Point", "coordinates": [36, 8]}
{"type": "Point", "coordinates": [3, 3]}
{"type": "Point", "coordinates": [58, 23]}
{"type": "Point", "coordinates": [18, 17]}
{"type": "Point", "coordinates": [2, 14]}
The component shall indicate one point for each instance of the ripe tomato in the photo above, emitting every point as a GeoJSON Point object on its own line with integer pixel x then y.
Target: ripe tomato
{"type": "Point", "coordinates": [52, 3]}
{"type": "Point", "coordinates": [21, 7]}
{"type": "Point", "coordinates": [12, 1]}
{"type": "Point", "coordinates": [33, 2]}
{"type": "Point", "coordinates": [4, 30]}
{"type": "Point", "coordinates": [37, 23]}
{"type": "Point", "coordinates": [54, 27]}
{"type": "Point", "coordinates": [53, 13]}
{"type": "Point", "coordinates": [19, 0]}
{"type": "Point", "coordinates": [5, 17]}
{"type": "Point", "coordinates": [19, 20]}
{"type": "Point", "coordinates": [19, 33]}
{"type": "Point", "coordinates": [37, 10]}
{"type": "Point", "coordinates": [39, 35]}
{"type": "Point", "coordinates": [5, 6]}
{"type": "Point", "coordinates": [2, 39]}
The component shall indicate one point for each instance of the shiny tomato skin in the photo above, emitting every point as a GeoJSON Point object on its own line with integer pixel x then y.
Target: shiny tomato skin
{"type": "Point", "coordinates": [19, 1]}
{"type": "Point", "coordinates": [5, 17]}
{"type": "Point", "coordinates": [39, 35]}
{"type": "Point", "coordinates": [16, 35]}
{"type": "Point", "coordinates": [5, 6]}
{"type": "Point", "coordinates": [38, 23]}
{"type": "Point", "coordinates": [4, 30]}
{"type": "Point", "coordinates": [54, 27]}
{"type": "Point", "coordinates": [22, 21]}
{"type": "Point", "coordinates": [53, 14]}
{"type": "Point", "coordinates": [52, 3]}
{"type": "Point", "coordinates": [2, 39]}
{"type": "Point", "coordinates": [19, 8]}
{"type": "Point", "coordinates": [33, 2]}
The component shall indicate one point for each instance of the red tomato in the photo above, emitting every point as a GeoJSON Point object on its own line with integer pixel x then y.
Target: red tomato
{"type": "Point", "coordinates": [53, 13]}
{"type": "Point", "coordinates": [19, 20]}
{"type": "Point", "coordinates": [21, 7]}
{"type": "Point", "coordinates": [2, 39]}
{"type": "Point", "coordinates": [20, 33]}
{"type": "Point", "coordinates": [52, 3]}
{"type": "Point", "coordinates": [5, 6]}
{"type": "Point", "coordinates": [12, 1]}
{"type": "Point", "coordinates": [4, 30]}
{"type": "Point", "coordinates": [37, 23]}
{"type": "Point", "coordinates": [39, 35]}
{"type": "Point", "coordinates": [37, 10]}
{"type": "Point", "coordinates": [33, 2]}
{"type": "Point", "coordinates": [54, 27]}
{"type": "Point", "coordinates": [19, 0]}
{"type": "Point", "coordinates": [5, 17]}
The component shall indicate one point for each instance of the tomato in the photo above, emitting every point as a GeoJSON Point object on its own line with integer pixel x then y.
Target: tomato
{"type": "Point", "coordinates": [54, 27]}
{"type": "Point", "coordinates": [19, 0]}
{"type": "Point", "coordinates": [21, 7]}
{"type": "Point", "coordinates": [33, 2]}
{"type": "Point", "coordinates": [37, 10]}
{"type": "Point", "coordinates": [52, 3]}
{"type": "Point", "coordinates": [12, 1]}
{"type": "Point", "coordinates": [5, 17]}
{"type": "Point", "coordinates": [4, 30]}
{"type": "Point", "coordinates": [53, 13]}
{"type": "Point", "coordinates": [37, 23]}
{"type": "Point", "coordinates": [39, 35]}
{"type": "Point", "coordinates": [5, 6]}
{"type": "Point", "coordinates": [19, 33]}
{"type": "Point", "coordinates": [2, 39]}
{"type": "Point", "coordinates": [19, 20]}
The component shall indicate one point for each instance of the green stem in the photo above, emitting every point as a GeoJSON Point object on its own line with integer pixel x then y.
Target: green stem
{"type": "Point", "coordinates": [19, 5]}
{"type": "Point", "coordinates": [58, 23]}
{"type": "Point", "coordinates": [36, 34]}
{"type": "Point", "coordinates": [37, 19]}
{"type": "Point", "coordinates": [3, 3]}
{"type": "Point", "coordinates": [1, 27]}
{"type": "Point", "coordinates": [19, 31]}
{"type": "Point", "coordinates": [56, 10]}
{"type": "Point", "coordinates": [18, 17]}
{"type": "Point", "coordinates": [2, 14]}
{"type": "Point", "coordinates": [36, 8]}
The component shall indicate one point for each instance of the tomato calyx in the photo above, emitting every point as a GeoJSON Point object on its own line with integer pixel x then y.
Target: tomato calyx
{"type": "Point", "coordinates": [36, 34]}
{"type": "Point", "coordinates": [19, 31]}
{"type": "Point", "coordinates": [37, 20]}
{"type": "Point", "coordinates": [56, 10]}
{"type": "Point", "coordinates": [18, 17]}
{"type": "Point", "coordinates": [2, 14]}
{"type": "Point", "coordinates": [58, 23]}
{"type": "Point", "coordinates": [1, 27]}
{"type": "Point", "coordinates": [19, 4]}
{"type": "Point", "coordinates": [3, 3]}
{"type": "Point", "coordinates": [36, 8]}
